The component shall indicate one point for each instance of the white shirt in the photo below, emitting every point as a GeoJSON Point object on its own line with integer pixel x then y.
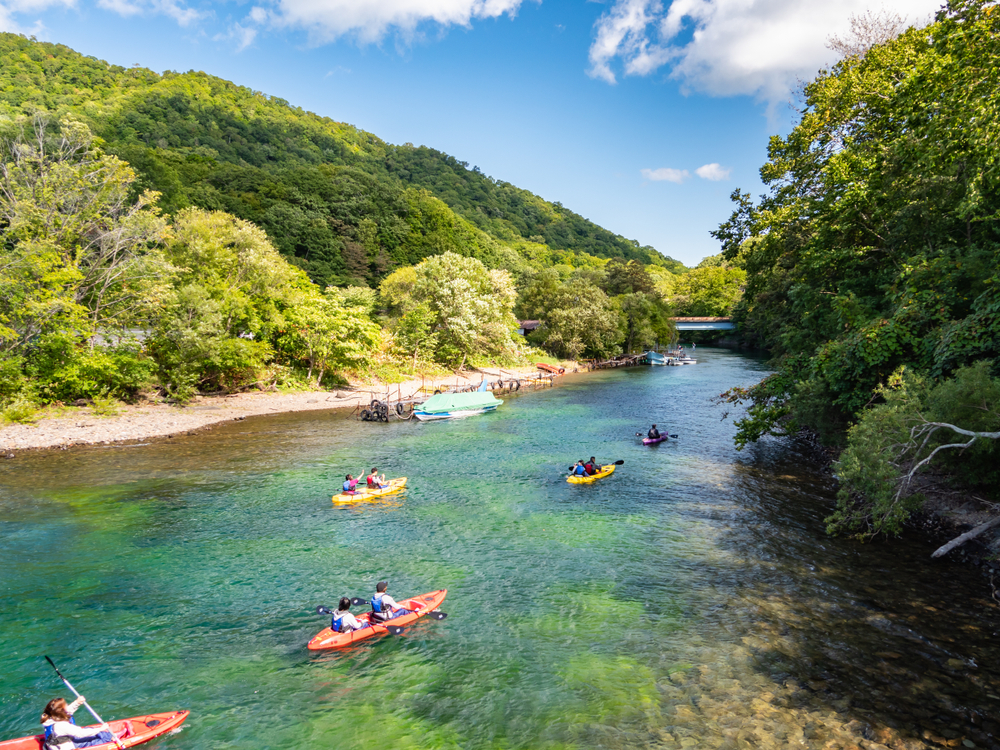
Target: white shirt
{"type": "Point", "coordinates": [388, 603]}
{"type": "Point", "coordinates": [348, 622]}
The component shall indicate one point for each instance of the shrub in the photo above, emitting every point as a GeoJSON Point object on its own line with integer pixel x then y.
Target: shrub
{"type": "Point", "coordinates": [22, 410]}
{"type": "Point", "coordinates": [66, 369]}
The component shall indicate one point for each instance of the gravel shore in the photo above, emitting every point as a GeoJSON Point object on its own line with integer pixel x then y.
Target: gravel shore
{"type": "Point", "coordinates": [80, 426]}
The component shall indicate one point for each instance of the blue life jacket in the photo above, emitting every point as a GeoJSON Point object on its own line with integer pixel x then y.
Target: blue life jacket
{"type": "Point", "coordinates": [347, 486]}
{"type": "Point", "coordinates": [377, 604]}
{"type": "Point", "coordinates": [337, 623]}
{"type": "Point", "coordinates": [580, 471]}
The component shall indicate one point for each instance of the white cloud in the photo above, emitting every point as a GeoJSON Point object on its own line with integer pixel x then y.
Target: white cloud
{"type": "Point", "coordinates": [371, 20]}
{"type": "Point", "coordinates": [727, 47]}
{"type": "Point", "coordinates": [10, 9]}
{"type": "Point", "coordinates": [714, 172]}
{"type": "Point", "coordinates": [174, 9]}
{"type": "Point", "coordinates": [666, 174]}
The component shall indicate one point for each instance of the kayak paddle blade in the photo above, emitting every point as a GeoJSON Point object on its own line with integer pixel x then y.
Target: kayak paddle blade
{"type": "Point", "coordinates": [321, 610]}
{"type": "Point", "coordinates": [358, 602]}
{"type": "Point", "coordinates": [439, 615]}
{"type": "Point", "coordinates": [619, 462]}
{"type": "Point", "coordinates": [395, 629]}
{"type": "Point", "coordinates": [674, 436]}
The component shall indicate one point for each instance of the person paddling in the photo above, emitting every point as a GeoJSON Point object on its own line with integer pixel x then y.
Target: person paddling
{"type": "Point", "coordinates": [343, 621]}
{"type": "Point", "coordinates": [61, 733]}
{"type": "Point", "coordinates": [384, 607]}
{"type": "Point", "coordinates": [592, 466]}
{"type": "Point", "coordinates": [653, 434]}
{"type": "Point", "coordinates": [349, 485]}
{"type": "Point", "coordinates": [580, 470]}
{"type": "Point", "coordinates": [376, 482]}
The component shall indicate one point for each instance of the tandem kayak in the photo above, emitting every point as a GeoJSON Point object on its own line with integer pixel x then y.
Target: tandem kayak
{"type": "Point", "coordinates": [144, 728]}
{"type": "Point", "coordinates": [654, 441]}
{"type": "Point", "coordinates": [605, 471]}
{"type": "Point", "coordinates": [420, 605]}
{"type": "Point", "coordinates": [392, 486]}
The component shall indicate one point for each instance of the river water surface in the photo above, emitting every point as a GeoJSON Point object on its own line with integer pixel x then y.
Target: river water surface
{"type": "Point", "coordinates": [690, 600]}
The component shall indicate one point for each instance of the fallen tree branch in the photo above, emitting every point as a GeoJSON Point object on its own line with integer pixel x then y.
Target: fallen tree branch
{"type": "Point", "coordinates": [957, 541]}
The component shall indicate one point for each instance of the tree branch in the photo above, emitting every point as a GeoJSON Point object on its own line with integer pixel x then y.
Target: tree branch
{"type": "Point", "coordinates": [960, 540]}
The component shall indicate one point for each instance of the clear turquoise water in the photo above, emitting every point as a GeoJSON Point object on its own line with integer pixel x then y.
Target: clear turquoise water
{"type": "Point", "coordinates": [692, 599]}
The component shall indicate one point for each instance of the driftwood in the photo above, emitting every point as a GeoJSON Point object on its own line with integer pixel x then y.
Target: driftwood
{"type": "Point", "coordinates": [960, 540]}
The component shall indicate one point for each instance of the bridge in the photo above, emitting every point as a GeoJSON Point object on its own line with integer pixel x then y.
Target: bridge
{"type": "Point", "coordinates": [704, 324]}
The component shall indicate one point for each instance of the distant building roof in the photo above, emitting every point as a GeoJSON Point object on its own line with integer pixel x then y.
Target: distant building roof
{"type": "Point", "coordinates": [528, 325]}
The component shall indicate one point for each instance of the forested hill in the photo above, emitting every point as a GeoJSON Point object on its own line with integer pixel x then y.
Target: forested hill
{"type": "Point", "coordinates": [340, 202]}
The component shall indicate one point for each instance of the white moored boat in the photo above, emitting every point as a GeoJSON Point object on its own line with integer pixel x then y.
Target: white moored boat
{"type": "Point", "coordinates": [457, 405]}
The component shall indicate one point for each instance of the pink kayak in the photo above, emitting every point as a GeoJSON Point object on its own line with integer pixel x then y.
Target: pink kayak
{"type": "Point", "coordinates": [652, 441]}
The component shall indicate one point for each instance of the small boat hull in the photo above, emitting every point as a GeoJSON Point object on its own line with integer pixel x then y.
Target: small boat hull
{"type": "Point", "coordinates": [430, 416]}
{"type": "Point", "coordinates": [652, 441]}
{"type": "Point", "coordinates": [144, 728]}
{"type": "Point", "coordinates": [421, 605]}
{"type": "Point", "coordinates": [606, 471]}
{"type": "Point", "coordinates": [394, 486]}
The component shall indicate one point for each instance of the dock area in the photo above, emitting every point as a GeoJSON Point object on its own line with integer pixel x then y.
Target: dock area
{"type": "Point", "coordinates": [395, 402]}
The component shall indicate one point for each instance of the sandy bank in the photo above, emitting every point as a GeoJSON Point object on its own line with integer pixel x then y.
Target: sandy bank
{"type": "Point", "coordinates": [80, 426]}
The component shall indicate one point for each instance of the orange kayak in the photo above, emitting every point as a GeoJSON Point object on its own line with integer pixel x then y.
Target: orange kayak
{"type": "Point", "coordinates": [144, 729]}
{"type": "Point", "coordinates": [420, 605]}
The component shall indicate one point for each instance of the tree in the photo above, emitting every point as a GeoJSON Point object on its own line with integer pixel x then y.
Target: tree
{"type": "Point", "coordinates": [711, 290]}
{"type": "Point", "coordinates": [917, 425]}
{"type": "Point", "coordinates": [472, 306]}
{"type": "Point", "coordinates": [327, 334]}
{"type": "Point", "coordinates": [875, 247]}
{"type": "Point", "coordinates": [77, 252]}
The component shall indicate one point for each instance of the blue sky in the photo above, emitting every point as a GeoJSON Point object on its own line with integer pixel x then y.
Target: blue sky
{"type": "Point", "coordinates": [641, 115]}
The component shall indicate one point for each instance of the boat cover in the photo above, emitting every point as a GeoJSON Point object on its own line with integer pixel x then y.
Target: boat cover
{"type": "Point", "coordinates": [446, 402]}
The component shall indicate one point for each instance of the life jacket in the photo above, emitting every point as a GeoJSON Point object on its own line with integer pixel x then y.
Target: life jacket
{"type": "Point", "coordinates": [377, 607]}
{"type": "Point", "coordinates": [53, 741]}
{"type": "Point", "coordinates": [347, 486]}
{"type": "Point", "coordinates": [653, 434]}
{"type": "Point", "coordinates": [372, 480]}
{"type": "Point", "coordinates": [337, 623]}
{"type": "Point", "coordinates": [580, 471]}
{"type": "Point", "coordinates": [591, 469]}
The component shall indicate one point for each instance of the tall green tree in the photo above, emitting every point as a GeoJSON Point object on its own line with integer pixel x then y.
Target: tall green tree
{"type": "Point", "coordinates": [876, 247]}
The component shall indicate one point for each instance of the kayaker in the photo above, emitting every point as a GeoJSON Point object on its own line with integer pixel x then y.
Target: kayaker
{"type": "Point", "coordinates": [384, 607]}
{"type": "Point", "coordinates": [592, 466]}
{"type": "Point", "coordinates": [580, 470]}
{"type": "Point", "coordinates": [343, 621]}
{"type": "Point", "coordinates": [653, 434]}
{"type": "Point", "coordinates": [376, 482]}
{"type": "Point", "coordinates": [349, 484]}
{"type": "Point", "coordinates": [61, 733]}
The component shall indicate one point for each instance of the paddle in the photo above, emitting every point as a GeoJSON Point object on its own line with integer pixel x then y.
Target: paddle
{"type": "Point", "coordinates": [619, 462]}
{"type": "Point", "coordinates": [639, 434]}
{"type": "Point", "coordinates": [93, 713]}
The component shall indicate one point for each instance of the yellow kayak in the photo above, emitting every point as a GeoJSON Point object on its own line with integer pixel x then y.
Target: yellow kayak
{"type": "Point", "coordinates": [392, 486]}
{"type": "Point", "coordinates": [606, 471]}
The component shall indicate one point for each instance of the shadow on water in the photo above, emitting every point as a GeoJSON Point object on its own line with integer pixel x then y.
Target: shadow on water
{"type": "Point", "coordinates": [692, 599]}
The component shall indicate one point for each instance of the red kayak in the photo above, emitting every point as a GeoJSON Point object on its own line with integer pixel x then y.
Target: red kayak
{"type": "Point", "coordinates": [144, 728]}
{"type": "Point", "coordinates": [418, 606]}
{"type": "Point", "coordinates": [654, 441]}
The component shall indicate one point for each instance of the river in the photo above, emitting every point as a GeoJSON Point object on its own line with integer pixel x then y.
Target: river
{"type": "Point", "coordinates": [692, 599]}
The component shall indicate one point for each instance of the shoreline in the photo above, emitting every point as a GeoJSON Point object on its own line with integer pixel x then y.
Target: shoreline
{"type": "Point", "coordinates": [74, 426]}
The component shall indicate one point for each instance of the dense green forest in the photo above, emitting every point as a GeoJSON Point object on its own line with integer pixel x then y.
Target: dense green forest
{"type": "Point", "coordinates": [345, 205]}
{"type": "Point", "coordinates": [873, 266]}
{"type": "Point", "coordinates": [179, 234]}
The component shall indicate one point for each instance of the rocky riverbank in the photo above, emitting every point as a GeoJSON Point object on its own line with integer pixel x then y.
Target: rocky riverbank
{"type": "Point", "coordinates": [146, 420]}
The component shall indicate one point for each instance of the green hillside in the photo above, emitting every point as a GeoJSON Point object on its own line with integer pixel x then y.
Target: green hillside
{"type": "Point", "coordinates": [339, 202]}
